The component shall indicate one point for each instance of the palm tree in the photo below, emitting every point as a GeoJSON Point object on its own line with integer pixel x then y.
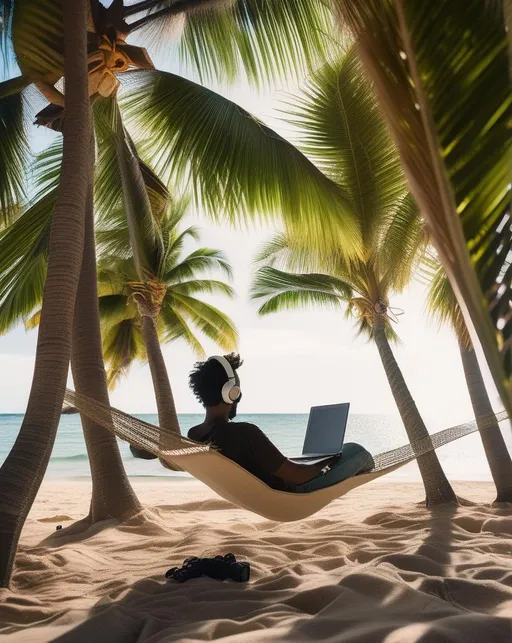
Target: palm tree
{"type": "Point", "coordinates": [42, 46]}
{"type": "Point", "coordinates": [443, 80]}
{"type": "Point", "coordinates": [174, 307]}
{"type": "Point", "coordinates": [344, 132]}
{"type": "Point", "coordinates": [24, 467]}
{"type": "Point", "coordinates": [443, 307]}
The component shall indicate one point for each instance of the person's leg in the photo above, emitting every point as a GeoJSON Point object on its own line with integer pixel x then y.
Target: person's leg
{"type": "Point", "coordinates": [354, 460]}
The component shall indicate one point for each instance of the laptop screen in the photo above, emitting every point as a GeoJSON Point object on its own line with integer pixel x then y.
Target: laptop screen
{"type": "Point", "coordinates": [326, 429]}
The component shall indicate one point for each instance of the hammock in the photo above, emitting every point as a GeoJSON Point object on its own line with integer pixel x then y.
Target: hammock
{"type": "Point", "coordinates": [240, 487]}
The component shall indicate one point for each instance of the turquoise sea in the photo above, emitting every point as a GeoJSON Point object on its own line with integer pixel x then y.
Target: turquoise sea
{"type": "Point", "coordinates": [462, 460]}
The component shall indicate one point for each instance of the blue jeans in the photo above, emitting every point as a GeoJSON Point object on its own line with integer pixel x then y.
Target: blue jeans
{"type": "Point", "coordinates": [355, 459]}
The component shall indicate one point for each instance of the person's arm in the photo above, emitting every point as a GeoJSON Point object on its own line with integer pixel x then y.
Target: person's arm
{"type": "Point", "coordinates": [269, 459]}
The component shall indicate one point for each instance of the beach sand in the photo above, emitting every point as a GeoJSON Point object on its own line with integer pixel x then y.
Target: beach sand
{"type": "Point", "coordinates": [373, 566]}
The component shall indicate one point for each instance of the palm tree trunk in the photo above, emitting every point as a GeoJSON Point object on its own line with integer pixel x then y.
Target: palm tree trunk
{"type": "Point", "coordinates": [24, 468]}
{"type": "Point", "coordinates": [167, 416]}
{"type": "Point", "coordinates": [112, 494]}
{"type": "Point", "coordinates": [164, 398]}
{"type": "Point", "coordinates": [495, 448]}
{"type": "Point", "coordinates": [437, 488]}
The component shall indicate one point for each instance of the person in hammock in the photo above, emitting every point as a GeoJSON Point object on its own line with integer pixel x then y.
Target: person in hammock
{"type": "Point", "coordinates": [216, 385]}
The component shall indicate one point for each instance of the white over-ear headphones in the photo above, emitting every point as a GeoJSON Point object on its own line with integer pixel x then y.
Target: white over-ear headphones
{"type": "Point", "coordinates": [230, 391]}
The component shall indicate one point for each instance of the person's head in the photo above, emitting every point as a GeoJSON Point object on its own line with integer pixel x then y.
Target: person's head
{"type": "Point", "coordinates": [216, 384]}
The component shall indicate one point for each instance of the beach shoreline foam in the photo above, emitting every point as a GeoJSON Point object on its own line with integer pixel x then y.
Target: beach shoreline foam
{"type": "Point", "coordinates": [373, 566]}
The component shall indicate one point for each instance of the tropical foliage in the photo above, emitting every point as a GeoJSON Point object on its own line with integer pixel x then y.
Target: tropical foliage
{"type": "Point", "coordinates": [180, 281]}
{"type": "Point", "coordinates": [443, 80]}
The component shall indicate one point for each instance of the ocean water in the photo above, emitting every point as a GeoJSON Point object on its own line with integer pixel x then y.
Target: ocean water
{"type": "Point", "coordinates": [462, 460]}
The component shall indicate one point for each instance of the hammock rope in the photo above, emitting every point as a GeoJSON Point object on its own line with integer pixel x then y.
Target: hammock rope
{"type": "Point", "coordinates": [148, 436]}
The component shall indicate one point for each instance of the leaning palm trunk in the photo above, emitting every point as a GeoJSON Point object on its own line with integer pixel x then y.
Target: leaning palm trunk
{"type": "Point", "coordinates": [164, 398]}
{"type": "Point", "coordinates": [495, 448]}
{"type": "Point", "coordinates": [112, 494]}
{"type": "Point", "coordinates": [437, 488]}
{"type": "Point", "coordinates": [396, 46]}
{"type": "Point", "coordinates": [24, 468]}
{"type": "Point", "coordinates": [167, 416]}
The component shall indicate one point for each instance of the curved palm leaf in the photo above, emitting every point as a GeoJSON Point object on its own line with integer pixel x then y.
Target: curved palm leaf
{"type": "Point", "coordinates": [283, 290]}
{"type": "Point", "coordinates": [238, 165]}
{"type": "Point", "coordinates": [344, 133]}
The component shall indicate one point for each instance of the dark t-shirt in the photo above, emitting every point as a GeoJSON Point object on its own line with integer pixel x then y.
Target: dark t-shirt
{"type": "Point", "coordinates": [245, 444]}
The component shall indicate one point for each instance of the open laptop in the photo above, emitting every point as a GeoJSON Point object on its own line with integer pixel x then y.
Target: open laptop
{"type": "Point", "coordinates": [325, 433]}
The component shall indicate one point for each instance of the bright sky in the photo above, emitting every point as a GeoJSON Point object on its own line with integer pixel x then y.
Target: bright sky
{"type": "Point", "coordinates": [292, 360]}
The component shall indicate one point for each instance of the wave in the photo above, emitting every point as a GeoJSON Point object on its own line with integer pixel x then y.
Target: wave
{"type": "Point", "coordinates": [80, 457]}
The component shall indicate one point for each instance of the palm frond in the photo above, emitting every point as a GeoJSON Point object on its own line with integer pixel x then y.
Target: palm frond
{"type": "Point", "coordinates": [24, 244]}
{"type": "Point", "coordinates": [271, 251]}
{"type": "Point", "coordinates": [443, 307]}
{"type": "Point", "coordinates": [113, 238]}
{"type": "Point", "coordinates": [6, 9]}
{"type": "Point", "coordinates": [283, 290]}
{"type": "Point", "coordinates": [23, 248]}
{"type": "Point", "coordinates": [443, 81]}
{"type": "Point", "coordinates": [21, 291]}
{"type": "Point", "coordinates": [122, 345]}
{"type": "Point", "coordinates": [404, 240]}
{"type": "Point", "coordinates": [174, 326]}
{"type": "Point", "coordinates": [175, 241]}
{"type": "Point", "coordinates": [263, 39]}
{"type": "Point", "coordinates": [238, 166]}
{"type": "Point", "coordinates": [208, 319]}
{"type": "Point", "coordinates": [14, 148]}
{"type": "Point", "coordinates": [112, 277]}
{"type": "Point", "coordinates": [37, 35]}
{"type": "Point", "coordinates": [343, 132]}
{"type": "Point", "coordinates": [293, 253]}
{"type": "Point", "coordinates": [197, 261]}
